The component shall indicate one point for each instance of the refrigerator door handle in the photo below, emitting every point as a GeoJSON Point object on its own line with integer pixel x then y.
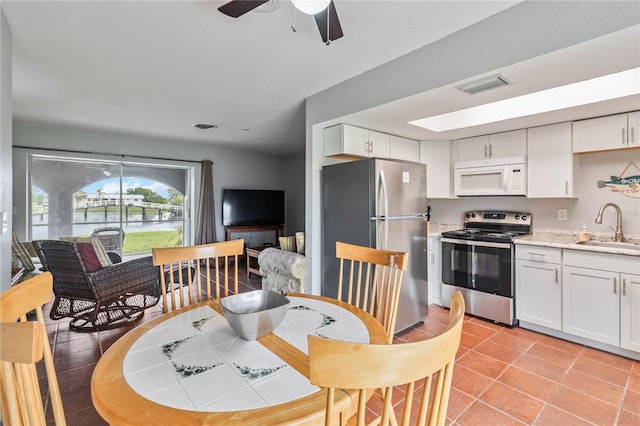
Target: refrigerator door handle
{"type": "Point", "coordinates": [382, 191]}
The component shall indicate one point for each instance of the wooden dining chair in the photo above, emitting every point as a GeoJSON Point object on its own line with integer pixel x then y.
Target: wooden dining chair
{"type": "Point", "coordinates": [424, 369]}
{"type": "Point", "coordinates": [23, 344]}
{"type": "Point", "coordinates": [372, 279]}
{"type": "Point", "coordinates": [191, 267]}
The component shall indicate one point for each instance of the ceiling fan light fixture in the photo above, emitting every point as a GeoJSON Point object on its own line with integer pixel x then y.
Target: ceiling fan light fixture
{"type": "Point", "coordinates": [311, 7]}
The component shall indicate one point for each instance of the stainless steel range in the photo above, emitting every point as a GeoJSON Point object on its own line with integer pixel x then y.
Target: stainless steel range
{"type": "Point", "coordinates": [478, 261]}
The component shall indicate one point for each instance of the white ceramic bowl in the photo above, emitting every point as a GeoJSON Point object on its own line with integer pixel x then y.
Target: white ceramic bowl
{"type": "Point", "coordinates": [254, 314]}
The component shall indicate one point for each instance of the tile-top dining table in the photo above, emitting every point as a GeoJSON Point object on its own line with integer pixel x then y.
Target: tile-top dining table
{"type": "Point", "coordinates": [189, 367]}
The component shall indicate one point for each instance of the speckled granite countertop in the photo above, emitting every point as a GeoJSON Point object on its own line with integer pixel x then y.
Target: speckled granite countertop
{"type": "Point", "coordinates": [567, 240]}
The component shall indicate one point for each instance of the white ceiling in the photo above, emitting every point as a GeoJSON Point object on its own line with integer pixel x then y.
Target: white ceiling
{"type": "Point", "coordinates": [156, 67]}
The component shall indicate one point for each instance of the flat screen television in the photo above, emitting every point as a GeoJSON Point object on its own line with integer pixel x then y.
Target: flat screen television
{"type": "Point", "coordinates": [242, 207]}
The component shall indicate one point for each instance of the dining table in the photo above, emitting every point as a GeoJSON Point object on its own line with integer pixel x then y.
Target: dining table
{"type": "Point", "coordinates": [189, 367]}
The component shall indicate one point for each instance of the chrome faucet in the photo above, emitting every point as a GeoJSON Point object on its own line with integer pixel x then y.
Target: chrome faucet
{"type": "Point", "coordinates": [619, 237]}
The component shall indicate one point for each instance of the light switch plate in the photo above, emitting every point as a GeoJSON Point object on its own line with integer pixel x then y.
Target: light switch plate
{"type": "Point", "coordinates": [5, 221]}
{"type": "Point", "coordinates": [562, 214]}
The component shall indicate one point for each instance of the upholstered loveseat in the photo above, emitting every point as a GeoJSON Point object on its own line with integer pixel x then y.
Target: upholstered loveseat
{"type": "Point", "coordinates": [282, 271]}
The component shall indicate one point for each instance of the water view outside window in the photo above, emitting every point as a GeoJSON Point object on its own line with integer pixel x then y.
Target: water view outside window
{"type": "Point", "coordinates": [71, 199]}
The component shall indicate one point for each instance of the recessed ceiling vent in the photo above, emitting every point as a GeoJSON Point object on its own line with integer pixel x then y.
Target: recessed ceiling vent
{"type": "Point", "coordinates": [483, 84]}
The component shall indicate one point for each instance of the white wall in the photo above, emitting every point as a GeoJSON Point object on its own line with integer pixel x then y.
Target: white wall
{"type": "Point", "coordinates": [524, 31]}
{"type": "Point", "coordinates": [231, 168]}
{"type": "Point", "coordinates": [5, 147]}
{"type": "Point", "coordinates": [583, 210]}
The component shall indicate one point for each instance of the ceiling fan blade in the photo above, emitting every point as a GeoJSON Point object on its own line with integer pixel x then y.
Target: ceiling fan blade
{"type": "Point", "coordinates": [237, 8]}
{"type": "Point", "coordinates": [335, 29]}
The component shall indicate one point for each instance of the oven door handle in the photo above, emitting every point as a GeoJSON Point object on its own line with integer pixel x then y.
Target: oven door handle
{"type": "Point", "coordinates": [476, 243]}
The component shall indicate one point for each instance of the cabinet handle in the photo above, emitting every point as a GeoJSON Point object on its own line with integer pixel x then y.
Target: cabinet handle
{"type": "Point", "coordinates": [556, 275]}
{"type": "Point", "coordinates": [485, 151]}
{"type": "Point", "coordinates": [624, 136]}
{"type": "Point", "coordinates": [566, 187]}
{"type": "Point", "coordinates": [615, 286]}
{"type": "Point", "coordinates": [624, 286]}
{"type": "Point", "coordinates": [536, 254]}
{"type": "Point", "coordinates": [632, 139]}
{"type": "Point", "coordinates": [490, 150]}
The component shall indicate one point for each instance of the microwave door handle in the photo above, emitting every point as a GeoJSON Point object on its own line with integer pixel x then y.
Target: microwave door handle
{"type": "Point", "coordinates": [505, 180]}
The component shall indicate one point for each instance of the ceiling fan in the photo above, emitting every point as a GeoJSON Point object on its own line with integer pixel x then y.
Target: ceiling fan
{"type": "Point", "coordinates": [326, 17]}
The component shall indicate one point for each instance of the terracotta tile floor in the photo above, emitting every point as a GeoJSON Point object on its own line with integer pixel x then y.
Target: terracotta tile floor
{"type": "Point", "coordinates": [502, 376]}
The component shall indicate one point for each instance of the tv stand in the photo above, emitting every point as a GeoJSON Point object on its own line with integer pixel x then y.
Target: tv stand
{"type": "Point", "coordinates": [278, 229]}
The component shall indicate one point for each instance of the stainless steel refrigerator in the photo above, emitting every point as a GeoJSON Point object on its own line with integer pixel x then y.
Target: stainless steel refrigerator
{"type": "Point", "coordinates": [378, 203]}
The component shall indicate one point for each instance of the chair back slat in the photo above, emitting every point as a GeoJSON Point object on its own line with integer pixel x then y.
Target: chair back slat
{"type": "Point", "coordinates": [194, 268]}
{"type": "Point", "coordinates": [345, 365]}
{"type": "Point", "coordinates": [374, 280]}
{"type": "Point", "coordinates": [22, 344]}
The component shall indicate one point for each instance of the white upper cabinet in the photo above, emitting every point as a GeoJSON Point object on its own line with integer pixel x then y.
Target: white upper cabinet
{"type": "Point", "coordinates": [347, 141]}
{"type": "Point", "coordinates": [437, 156]}
{"type": "Point", "coordinates": [607, 133]}
{"type": "Point", "coordinates": [404, 149]}
{"type": "Point", "coordinates": [498, 145]}
{"type": "Point", "coordinates": [553, 169]}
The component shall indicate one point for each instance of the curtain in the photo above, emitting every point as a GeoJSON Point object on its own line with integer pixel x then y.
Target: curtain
{"type": "Point", "coordinates": [206, 220]}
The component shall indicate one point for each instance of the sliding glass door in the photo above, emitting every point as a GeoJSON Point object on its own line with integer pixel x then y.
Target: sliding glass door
{"type": "Point", "coordinates": [72, 198]}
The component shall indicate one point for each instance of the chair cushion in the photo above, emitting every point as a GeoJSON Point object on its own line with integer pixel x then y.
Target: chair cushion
{"type": "Point", "coordinates": [19, 251]}
{"type": "Point", "coordinates": [89, 257]}
{"type": "Point", "coordinates": [103, 257]}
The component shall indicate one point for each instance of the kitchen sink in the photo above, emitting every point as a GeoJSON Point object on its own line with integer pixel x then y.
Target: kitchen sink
{"type": "Point", "coordinates": [610, 244]}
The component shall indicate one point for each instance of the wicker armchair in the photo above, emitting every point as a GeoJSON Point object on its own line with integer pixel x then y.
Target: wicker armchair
{"type": "Point", "coordinates": [104, 299]}
{"type": "Point", "coordinates": [111, 238]}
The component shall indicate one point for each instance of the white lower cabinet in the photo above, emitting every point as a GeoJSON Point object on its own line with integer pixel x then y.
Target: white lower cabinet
{"type": "Point", "coordinates": [539, 286]}
{"type": "Point", "coordinates": [601, 298]}
{"type": "Point", "coordinates": [434, 269]}
{"type": "Point", "coordinates": [591, 304]}
{"type": "Point", "coordinates": [630, 312]}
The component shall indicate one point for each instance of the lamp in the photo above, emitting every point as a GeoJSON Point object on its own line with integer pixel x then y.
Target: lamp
{"type": "Point", "coordinates": [311, 7]}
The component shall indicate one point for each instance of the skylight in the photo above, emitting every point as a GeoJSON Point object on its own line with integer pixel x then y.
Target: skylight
{"type": "Point", "coordinates": [612, 86]}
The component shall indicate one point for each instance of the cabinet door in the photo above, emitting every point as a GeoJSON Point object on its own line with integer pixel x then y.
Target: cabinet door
{"type": "Point", "coordinates": [437, 156]}
{"type": "Point", "coordinates": [539, 293]}
{"type": "Point", "coordinates": [591, 304]}
{"type": "Point", "coordinates": [551, 164]}
{"type": "Point", "coordinates": [600, 134]}
{"type": "Point", "coordinates": [379, 144]}
{"type": "Point", "coordinates": [404, 149]}
{"type": "Point", "coordinates": [473, 149]}
{"type": "Point", "coordinates": [434, 276]}
{"type": "Point", "coordinates": [508, 144]}
{"type": "Point", "coordinates": [630, 312]}
{"type": "Point", "coordinates": [633, 126]}
{"type": "Point", "coordinates": [355, 141]}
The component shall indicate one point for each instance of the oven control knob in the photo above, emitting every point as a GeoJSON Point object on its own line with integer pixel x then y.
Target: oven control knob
{"type": "Point", "coordinates": [517, 216]}
{"type": "Point", "coordinates": [473, 215]}
{"type": "Point", "coordinates": [524, 217]}
{"type": "Point", "coordinates": [467, 215]}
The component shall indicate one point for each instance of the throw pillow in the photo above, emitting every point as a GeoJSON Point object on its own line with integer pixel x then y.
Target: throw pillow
{"type": "Point", "coordinates": [300, 242]}
{"type": "Point", "coordinates": [20, 252]}
{"type": "Point", "coordinates": [89, 258]}
{"type": "Point", "coordinates": [104, 258]}
{"type": "Point", "coordinates": [287, 243]}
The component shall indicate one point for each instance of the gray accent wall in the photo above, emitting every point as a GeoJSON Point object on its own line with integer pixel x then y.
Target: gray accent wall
{"type": "Point", "coordinates": [231, 168]}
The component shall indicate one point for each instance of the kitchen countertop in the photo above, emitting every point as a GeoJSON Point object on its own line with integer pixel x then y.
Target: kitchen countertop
{"type": "Point", "coordinates": [567, 240]}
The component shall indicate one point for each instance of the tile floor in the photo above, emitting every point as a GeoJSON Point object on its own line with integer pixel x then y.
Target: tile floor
{"type": "Point", "coordinates": [502, 376]}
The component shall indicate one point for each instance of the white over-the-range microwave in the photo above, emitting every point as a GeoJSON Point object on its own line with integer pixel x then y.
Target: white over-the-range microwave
{"type": "Point", "coordinates": [501, 176]}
